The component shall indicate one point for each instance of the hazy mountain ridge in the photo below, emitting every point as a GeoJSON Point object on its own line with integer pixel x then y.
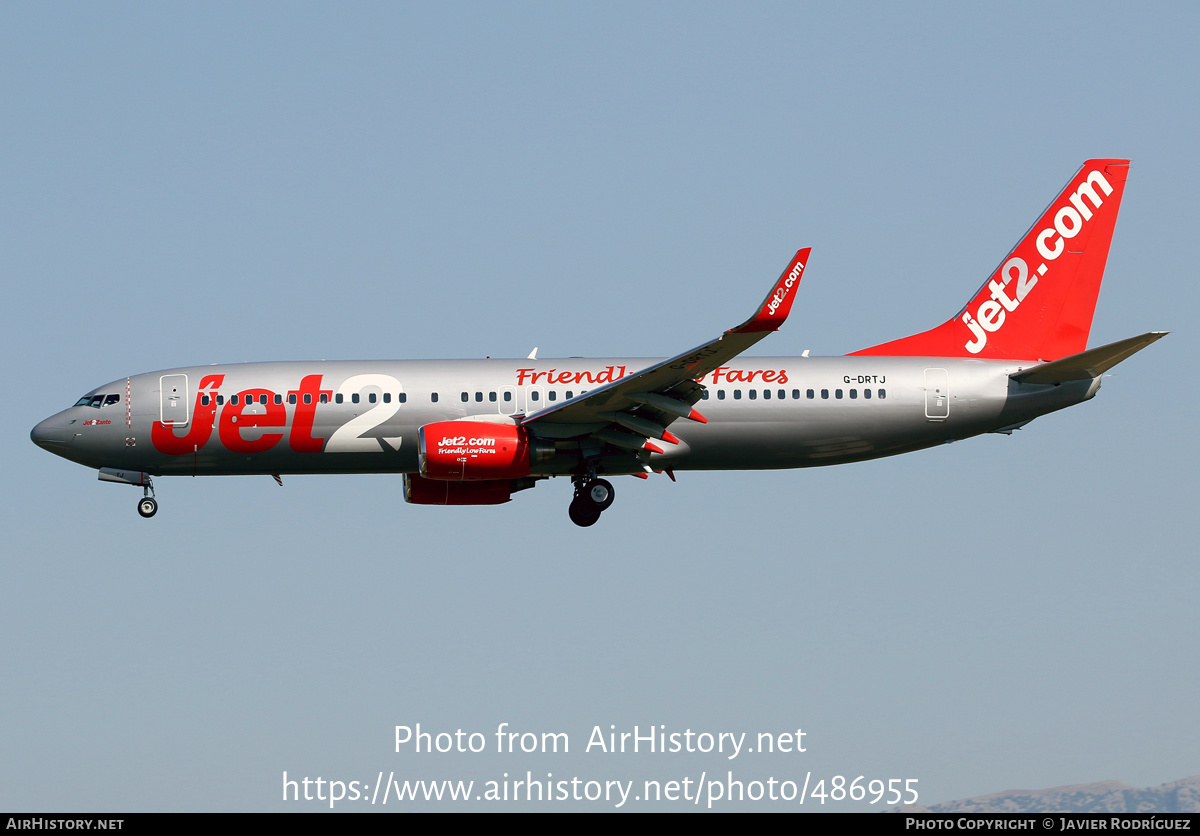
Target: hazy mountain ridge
{"type": "Point", "coordinates": [1182, 796]}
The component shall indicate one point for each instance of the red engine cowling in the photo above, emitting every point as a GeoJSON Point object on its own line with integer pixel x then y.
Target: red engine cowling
{"type": "Point", "coordinates": [421, 491]}
{"type": "Point", "coordinates": [462, 451]}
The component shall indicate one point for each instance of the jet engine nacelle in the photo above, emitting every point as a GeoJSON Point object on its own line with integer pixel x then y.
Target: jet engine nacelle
{"type": "Point", "coordinates": [421, 491]}
{"type": "Point", "coordinates": [462, 451]}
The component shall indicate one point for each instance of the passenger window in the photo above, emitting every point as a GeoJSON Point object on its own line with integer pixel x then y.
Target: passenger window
{"type": "Point", "coordinates": [737, 394]}
{"type": "Point", "coordinates": [766, 394]}
{"type": "Point", "coordinates": [324, 397]}
{"type": "Point", "coordinates": [387, 397]}
{"type": "Point", "coordinates": [753, 394]}
{"type": "Point", "coordinates": [507, 396]}
{"type": "Point", "coordinates": [433, 397]}
{"type": "Point", "coordinates": [810, 394]}
{"type": "Point", "coordinates": [867, 394]}
{"type": "Point", "coordinates": [465, 397]}
{"type": "Point", "coordinates": [353, 398]}
{"type": "Point", "coordinates": [308, 397]}
{"type": "Point", "coordinates": [479, 397]}
{"type": "Point", "coordinates": [882, 394]}
{"type": "Point", "coordinates": [783, 393]}
{"type": "Point", "coordinates": [569, 394]}
{"type": "Point", "coordinates": [291, 397]}
{"type": "Point", "coordinates": [403, 397]}
{"type": "Point", "coordinates": [825, 394]}
{"type": "Point", "coordinates": [535, 395]}
{"type": "Point", "coordinates": [720, 394]}
{"type": "Point", "coordinates": [705, 395]}
{"type": "Point", "coordinates": [853, 394]}
{"type": "Point", "coordinates": [204, 400]}
{"type": "Point", "coordinates": [553, 395]}
{"type": "Point", "coordinates": [262, 399]}
{"type": "Point", "coordinates": [221, 399]}
{"type": "Point", "coordinates": [278, 399]}
{"type": "Point", "coordinates": [492, 397]}
{"type": "Point", "coordinates": [338, 398]}
{"type": "Point", "coordinates": [372, 398]}
{"type": "Point", "coordinates": [837, 393]}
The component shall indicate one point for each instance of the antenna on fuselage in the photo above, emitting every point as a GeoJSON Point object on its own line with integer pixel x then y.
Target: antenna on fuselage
{"type": "Point", "coordinates": [532, 354]}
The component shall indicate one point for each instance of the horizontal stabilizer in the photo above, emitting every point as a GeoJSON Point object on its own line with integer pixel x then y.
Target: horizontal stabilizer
{"type": "Point", "coordinates": [1089, 364]}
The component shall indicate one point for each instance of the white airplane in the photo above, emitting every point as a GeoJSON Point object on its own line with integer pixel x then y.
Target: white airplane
{"type": "Point", "coordinates": [473, 432]}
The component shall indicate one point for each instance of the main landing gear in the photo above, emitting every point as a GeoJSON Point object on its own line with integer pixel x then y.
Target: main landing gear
{"type": "Point", "coordinates": [592, 497]}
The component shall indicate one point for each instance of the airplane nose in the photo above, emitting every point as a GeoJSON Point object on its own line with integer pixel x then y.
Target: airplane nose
{"type": "Point", "coordinates": [50, 434]}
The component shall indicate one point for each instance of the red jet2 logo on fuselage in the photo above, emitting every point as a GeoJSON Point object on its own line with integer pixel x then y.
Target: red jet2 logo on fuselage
{"type": "Point", "coordinates": [234, 420]}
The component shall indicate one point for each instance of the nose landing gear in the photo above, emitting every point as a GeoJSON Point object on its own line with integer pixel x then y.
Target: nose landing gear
{"type": "Point", "coordinates": [592, 497]}
{"type": "Point", "coordinates": [147, 505]}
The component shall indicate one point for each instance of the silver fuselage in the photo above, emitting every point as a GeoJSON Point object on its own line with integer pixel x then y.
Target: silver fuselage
{"type": "Point", "coordinates": [363, 417]}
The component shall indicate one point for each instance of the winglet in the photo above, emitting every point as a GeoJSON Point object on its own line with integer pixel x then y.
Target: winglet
{"type": "Point", "coordinates": [778, 304]}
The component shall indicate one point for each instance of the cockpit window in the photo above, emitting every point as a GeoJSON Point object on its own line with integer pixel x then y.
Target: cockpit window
{"type": "Point", "coordinates": [109, 400]}
{"type": "Point", "coordinates": [95, 400]}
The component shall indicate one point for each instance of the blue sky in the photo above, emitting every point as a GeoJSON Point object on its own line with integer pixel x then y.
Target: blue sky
{"type": "Point", "coordinates": [219, 183]}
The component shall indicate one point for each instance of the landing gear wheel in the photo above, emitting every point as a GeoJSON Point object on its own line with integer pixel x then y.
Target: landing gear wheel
{"type": "Point", "coordinates": [147, 506]}
{"type": "Point", "coordinates": [600, 493]}
{"type": "Point", "coordinates": [592, 497]}
{"type": "Point", "coordinates": [583, 512]}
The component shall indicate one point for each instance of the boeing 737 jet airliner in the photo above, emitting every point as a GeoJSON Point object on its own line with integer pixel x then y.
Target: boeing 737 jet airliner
{"type": "Point", "coordinates": [474, 432]}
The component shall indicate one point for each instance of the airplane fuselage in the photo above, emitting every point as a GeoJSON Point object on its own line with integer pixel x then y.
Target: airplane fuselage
{"type": "Point", "coordinates": [473, 432]}
{"type": "Point", "coordinates": [363, 417]}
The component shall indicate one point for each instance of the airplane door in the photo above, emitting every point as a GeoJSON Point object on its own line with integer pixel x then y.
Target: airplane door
{"type": "Point", "coordinates": [508, 400]}
{"type": "Point", "coordinates": [535, 400]}
{"type": "Point", "coordinates": [937, 394]}
{"type": "Point", "coordinates": [173, 408]}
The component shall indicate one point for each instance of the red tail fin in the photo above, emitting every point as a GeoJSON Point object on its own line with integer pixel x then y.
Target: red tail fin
{"type": "Point", "coordinates": [1038, 304]}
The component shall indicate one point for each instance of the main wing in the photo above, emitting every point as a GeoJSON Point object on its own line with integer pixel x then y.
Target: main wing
{"type": "Point", "coordinates": [627, 413]}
